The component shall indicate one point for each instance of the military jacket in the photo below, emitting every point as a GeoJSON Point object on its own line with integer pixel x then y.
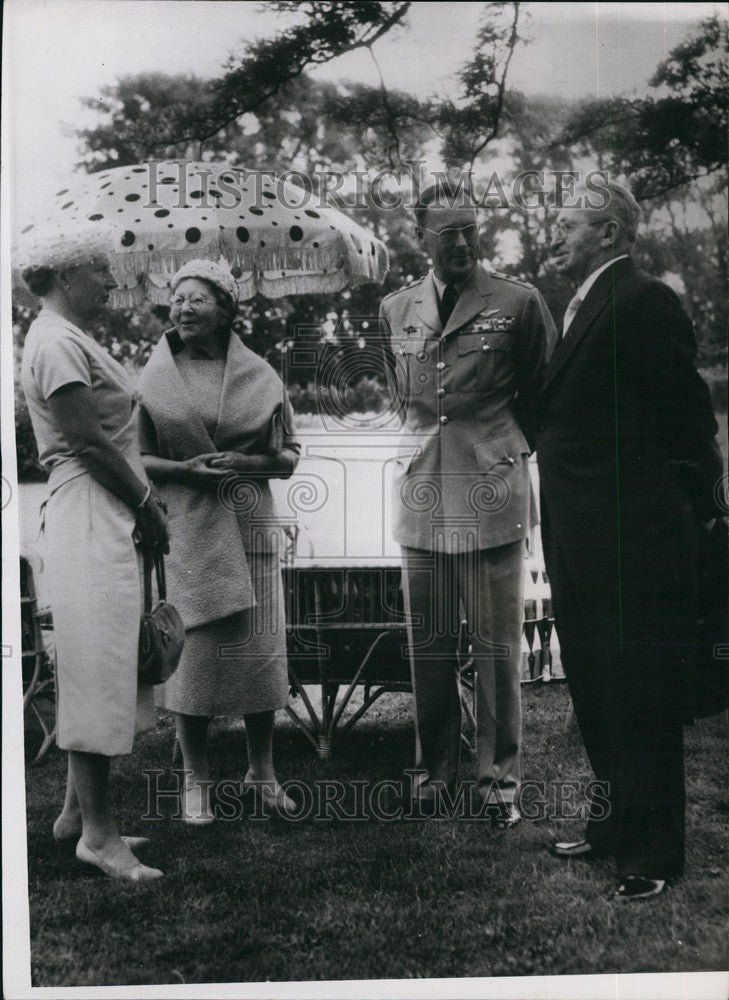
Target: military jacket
{"type": "Point", "coordinates": [467, 394]}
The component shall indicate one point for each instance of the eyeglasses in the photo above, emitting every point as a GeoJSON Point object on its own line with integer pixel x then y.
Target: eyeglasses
{"type": "Point", "coordinates": [196, 301]}
{"type": "Point", "coordinates": [449, 237]}
{"type": "Point", "coordinates": [562, 228]}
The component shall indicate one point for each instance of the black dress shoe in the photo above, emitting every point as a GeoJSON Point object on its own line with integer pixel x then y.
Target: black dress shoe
{"type": "Point", "coordinates": [572, 849]}
{"type": "Point", "coordinates": [637, 887]}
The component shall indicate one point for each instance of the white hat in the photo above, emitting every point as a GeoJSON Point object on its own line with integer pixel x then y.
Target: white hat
{"type": "Point", "coordinates": [57, 246]}
{"type": "Point", "coordinates": [216, 272]}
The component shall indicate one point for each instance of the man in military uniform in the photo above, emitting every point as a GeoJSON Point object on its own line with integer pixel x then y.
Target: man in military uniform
{"type": "Point", "coordinates": [470, 347]}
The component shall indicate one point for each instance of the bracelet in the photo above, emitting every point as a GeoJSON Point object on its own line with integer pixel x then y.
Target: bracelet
{"type": "Point", "coordinates": [147, 495]}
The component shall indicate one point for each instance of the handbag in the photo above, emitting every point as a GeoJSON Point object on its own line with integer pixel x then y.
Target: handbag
{"type": "Point", "coordinates": [161, 632]}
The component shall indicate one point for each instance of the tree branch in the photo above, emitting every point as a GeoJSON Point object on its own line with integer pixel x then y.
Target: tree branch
{"type": "Point", "coordinates": [582, 133]}
{"type": "Point", "coordinates": [685, 178]}
{"type": "Point", "coordinates": [308, 54]}
{"type": "Point", "coordinates": [391, 117]}
{"type": "Point", "coordinates": [500, 89]}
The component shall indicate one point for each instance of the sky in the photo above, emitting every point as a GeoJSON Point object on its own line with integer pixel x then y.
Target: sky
{"type": "Point", "coordinates": [58, 51]}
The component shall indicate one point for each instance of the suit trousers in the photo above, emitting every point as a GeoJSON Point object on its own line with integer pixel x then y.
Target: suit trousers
{"type": "Point", "coordinates": [627, 700]}
{"type": "Point", "coordinates": [486, 589]}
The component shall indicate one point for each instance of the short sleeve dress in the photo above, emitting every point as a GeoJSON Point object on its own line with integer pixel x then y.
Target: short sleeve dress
{"type": "Point", "coordinates": [91, 562]}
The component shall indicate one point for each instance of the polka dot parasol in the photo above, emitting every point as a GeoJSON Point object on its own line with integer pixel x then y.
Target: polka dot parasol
{"type": "Point", "coordinates": [277, 238]}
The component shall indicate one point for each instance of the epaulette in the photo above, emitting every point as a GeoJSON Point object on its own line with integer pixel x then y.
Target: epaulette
{"type": "Point", "coordinates": [405, 288]}
{"type": "Point", "coordinates": [511, 278]}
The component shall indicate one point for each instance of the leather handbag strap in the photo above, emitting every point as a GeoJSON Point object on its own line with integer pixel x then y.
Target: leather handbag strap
{"type": "Point", "coordinates": [157, 560]}
{"type": "Point", "coordinates": [159, 565]}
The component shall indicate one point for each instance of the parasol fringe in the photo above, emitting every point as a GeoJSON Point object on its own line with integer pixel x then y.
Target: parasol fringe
{"type": "Point", "coordinates": [128, 267]}
{"type": "Point", "coordinates": [270, 287]}
{"type": "Point", "coordinates": [247, 287]}
{"type": "Point", "coordinates": [331, 252]}
{"type": "Point", "coordinates": [327, 275]}
{"type": "Point", "coordinates": [337, 255]}
{"type": "Point", "coordinates": [308, 284]}
{"type": "Point", "coordinates": [299, 273]}
{"type": "Point", "coordinates": [126, 298]}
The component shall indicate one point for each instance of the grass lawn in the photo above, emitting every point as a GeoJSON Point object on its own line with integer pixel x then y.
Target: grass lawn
{"type": "Point", "coordinates": [251, 899]}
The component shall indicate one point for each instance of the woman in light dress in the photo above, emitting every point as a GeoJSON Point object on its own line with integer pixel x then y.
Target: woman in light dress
{"type": "Point", "coordinates": [215, 427]}
{"type": "Point", "coordinates": [84, 417]}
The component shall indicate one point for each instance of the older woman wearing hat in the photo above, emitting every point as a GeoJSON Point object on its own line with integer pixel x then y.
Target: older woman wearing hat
{"type": "Point", "coordinates": [215, 427]}
{"type": "Point", "coordinates": [84, 418]}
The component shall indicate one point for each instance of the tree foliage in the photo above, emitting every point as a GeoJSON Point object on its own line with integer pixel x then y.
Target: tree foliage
{"type": "Point", "coordinates": [278, 117]}
{"type": "Point", "coordinates": [267, 112]}
{"type": "Point", "coordinates": [471, 124]}
{"type": "Point", "coordinates": [675, 135]}
{"type": "Point", "coordinates": [194, 118]}
{"type": "Point", "coordinates": [326, 30]}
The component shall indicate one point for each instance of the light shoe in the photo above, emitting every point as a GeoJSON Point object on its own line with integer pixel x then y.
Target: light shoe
{"type": "Point", "coordinates": [272, 798]}
{"type": "Point", "coordinates": [195, 811]}
{"type": "Point", "coordinates": [133, 873]}
{"type": "Point", "coordinates": [505, 817]}
{"type": "Point", "coordinates": [66, 846]}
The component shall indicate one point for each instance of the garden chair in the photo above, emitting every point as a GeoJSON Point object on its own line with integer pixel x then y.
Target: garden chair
{"type": "Point", "coordinates": [37, 665]}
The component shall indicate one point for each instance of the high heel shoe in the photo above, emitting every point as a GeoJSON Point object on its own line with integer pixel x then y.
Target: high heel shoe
{"type": "Point", "coordinates": [66, 846]}
{"type": "Point", "coordinates": [133, 873]}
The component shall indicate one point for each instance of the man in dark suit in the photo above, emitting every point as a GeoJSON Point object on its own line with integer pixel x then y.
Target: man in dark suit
{"type": "Point", "coordinates": [627, 462]}
{"type": "Point", "coordinates": [470, 348]}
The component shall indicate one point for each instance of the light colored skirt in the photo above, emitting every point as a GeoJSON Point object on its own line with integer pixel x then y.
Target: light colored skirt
{"type": "Point", "coordinates": [236, 665]}
{"type": "Point", "coordinates": [95, 590]}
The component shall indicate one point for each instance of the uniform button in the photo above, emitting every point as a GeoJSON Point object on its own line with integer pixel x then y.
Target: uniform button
{"type": "Point", "coordinates": [440, 366]}
{"type": "Point", "coordinates": [441, 392]}
{"type": "Point", "coordinates": [444, 420]}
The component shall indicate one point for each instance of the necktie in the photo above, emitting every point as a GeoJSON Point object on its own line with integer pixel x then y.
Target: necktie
{"type": "Point", "coordinates": [447, 302]}
{"type": "Point", "coordinates": [574, 305]}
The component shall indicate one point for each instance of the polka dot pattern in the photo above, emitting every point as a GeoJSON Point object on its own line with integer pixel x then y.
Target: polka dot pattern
{"type": "Point", "coordinates": [278, 239]}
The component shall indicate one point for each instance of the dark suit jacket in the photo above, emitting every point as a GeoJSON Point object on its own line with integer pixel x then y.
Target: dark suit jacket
{"type": "Point", "coordinates": [627, 456]}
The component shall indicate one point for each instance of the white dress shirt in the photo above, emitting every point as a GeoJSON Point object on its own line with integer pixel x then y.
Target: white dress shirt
{"type": "Point", "coordinates": [579, 297]}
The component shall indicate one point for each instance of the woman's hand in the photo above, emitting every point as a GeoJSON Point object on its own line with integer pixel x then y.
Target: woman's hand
{"type": "Point", "coordinates": [263, 466]}
{"type": "Point", "coordinates": [216, 465]}
{"type": "Point", "coordinates": [232, 461]}
{"type": "Point", "coordinates": [152, 524]}
{"type": "Point", "coordinates": [199, 472]}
